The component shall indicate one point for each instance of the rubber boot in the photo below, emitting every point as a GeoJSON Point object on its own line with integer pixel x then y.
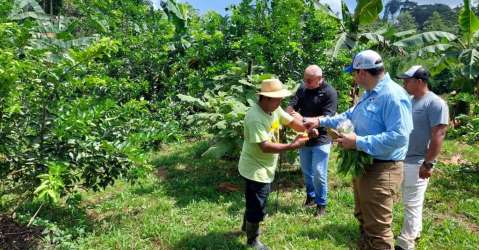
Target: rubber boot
{"type": "Point", "coordinates": [252, 233]}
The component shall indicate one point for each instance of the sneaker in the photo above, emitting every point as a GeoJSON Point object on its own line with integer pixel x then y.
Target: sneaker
{"type": "Point", "coordinates": [309, 201]}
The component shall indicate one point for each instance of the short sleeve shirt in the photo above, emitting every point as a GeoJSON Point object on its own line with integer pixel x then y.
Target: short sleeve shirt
{"type": "Point", "coordinates": [259, 126]}
{"type": "Point", "coordinates": [427, 112]}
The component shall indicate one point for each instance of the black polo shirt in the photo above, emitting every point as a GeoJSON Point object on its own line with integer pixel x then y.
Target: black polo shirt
{"type": "Point", "coordinates": [321, 101]}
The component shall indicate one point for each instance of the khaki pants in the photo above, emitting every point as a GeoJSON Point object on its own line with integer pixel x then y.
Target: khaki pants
{"type": "Point", "coordinates": [374, 194]}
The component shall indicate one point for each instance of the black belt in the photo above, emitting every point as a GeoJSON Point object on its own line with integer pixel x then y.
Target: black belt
{"type": "Point", "coordinates": [384, 161]}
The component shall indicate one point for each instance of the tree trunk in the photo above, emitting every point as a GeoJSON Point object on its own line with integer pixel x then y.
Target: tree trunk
{"type": "Point", "coordinates": [354, 94]}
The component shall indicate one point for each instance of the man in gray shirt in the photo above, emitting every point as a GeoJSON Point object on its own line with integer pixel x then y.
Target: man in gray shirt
{"type": "Point", "coordinates": [430, 119]}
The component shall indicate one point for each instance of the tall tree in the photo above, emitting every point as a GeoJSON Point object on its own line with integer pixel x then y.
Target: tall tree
{"type": "Point", "coordinates": [405, 21]}
{"type": "Point", "coordinates": [436, 22]}
{"type": "Point", "coordinates": [52, 7]}
{"type": "Point", "coordinates": [421, 13]}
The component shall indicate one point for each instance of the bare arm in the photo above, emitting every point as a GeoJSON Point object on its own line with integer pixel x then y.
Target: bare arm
{"type": "Point", "coordinates": [437, 137]}
{"type": "Point", "coordinates": [274, 148]}
{"type": "Point", "coordinates": [297, 116]}
{"type": "Point", "coordinates": [297, 125]}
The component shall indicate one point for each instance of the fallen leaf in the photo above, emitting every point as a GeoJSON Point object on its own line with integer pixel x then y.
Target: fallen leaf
{"type": "Point", "coordinates": [455, 160]}
{"type": "Point", "coordinates": [161, 173]}
{"type": "Point", "coordinates": [228, 187]}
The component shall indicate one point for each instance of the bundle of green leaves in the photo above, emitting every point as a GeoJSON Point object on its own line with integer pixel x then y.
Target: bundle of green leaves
{"type": "Point", "coordinates": [351, 161]}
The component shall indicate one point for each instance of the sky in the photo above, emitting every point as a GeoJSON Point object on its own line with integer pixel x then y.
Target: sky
{"type": "Point", "coordinates": [220, 5]}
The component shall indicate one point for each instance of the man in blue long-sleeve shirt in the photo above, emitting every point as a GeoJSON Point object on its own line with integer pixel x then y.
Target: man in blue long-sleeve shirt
{"type": "Point", "coordinates": [382, 122]}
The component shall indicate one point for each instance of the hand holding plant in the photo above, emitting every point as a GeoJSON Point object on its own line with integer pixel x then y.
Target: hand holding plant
{"type": "Point", "coordinates": [299, 141]}
{"type": "Point", "coordinates": [349, 160]}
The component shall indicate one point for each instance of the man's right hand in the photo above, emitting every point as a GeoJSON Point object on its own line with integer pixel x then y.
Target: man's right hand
{"type": "Point", "coordinates": [299, 141]}
{"type": "Point", "coordinates": [424, 172]}
{"type": "Point", "coordinates": [311, 123]}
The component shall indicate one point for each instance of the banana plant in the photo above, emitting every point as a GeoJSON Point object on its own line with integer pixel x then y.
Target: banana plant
{"type": "Point", "coordinates": [179, 15]}
{"type": "Point", "coordinates": [366, 12]}
{"type": "Point", "coordinates": [53, 33]}
{"type": "Point", "coordinates": [57, 35]}
{"type": "Point", "coordinates": [458, 54]}
{"type": "Point", "coordinates": [23, 9]}
{"type": "Point", "coordinates": [385, 39]}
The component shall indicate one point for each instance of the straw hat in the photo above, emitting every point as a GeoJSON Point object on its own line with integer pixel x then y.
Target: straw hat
{"type": "Point", "coordinates": [273, 88]}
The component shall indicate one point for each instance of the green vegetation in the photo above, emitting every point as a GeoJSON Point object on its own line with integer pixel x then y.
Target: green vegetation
{"type": "Point", "coordinates": [182, 205]}
{"type": "Point", "coordinates": [105, 107]}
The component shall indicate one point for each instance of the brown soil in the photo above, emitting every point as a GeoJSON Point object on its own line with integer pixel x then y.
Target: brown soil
{"type": "Point", "coordinates": [16, 236]}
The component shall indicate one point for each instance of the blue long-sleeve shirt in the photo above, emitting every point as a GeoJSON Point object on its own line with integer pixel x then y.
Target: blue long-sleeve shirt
{"type": "Point", "coordinates": [382, 121]}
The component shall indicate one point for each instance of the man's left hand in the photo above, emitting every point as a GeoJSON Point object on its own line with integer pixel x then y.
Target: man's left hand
{"type": "Point", "coordinates": [425, 173]}
{"type": "Point", "coordinates": [347, 141]}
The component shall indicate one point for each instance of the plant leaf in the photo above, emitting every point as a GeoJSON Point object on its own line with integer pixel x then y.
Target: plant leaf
{"type": "Point", "coordinates": [340, 43]}
{"type": "Point", "coordinates": [469, 58]}
{"type": "Point", "coordinates": [372, 37]}
{"type": "Point", "coordinates": [468, 21]}
{"type": "Point", "coordinates": [425, 38]}
{"type": "Point", "coordinates": [434, 49]}
{"type": "Point", "coordinates": [192, 100]}
{"type": "Point", "coordinates": [367, 11]}
{"type": "Point", "coordinates": [218, 150]}
{"type": "Point", "coordinates": [405, 33]}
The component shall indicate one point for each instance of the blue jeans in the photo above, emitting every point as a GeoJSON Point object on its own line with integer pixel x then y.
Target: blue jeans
{"type": "Point", "coordinates": [314, 163]}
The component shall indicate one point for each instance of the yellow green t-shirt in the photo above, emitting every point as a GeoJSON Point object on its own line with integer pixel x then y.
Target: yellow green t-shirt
{"type": "Point", "coordinates": [259, 127]}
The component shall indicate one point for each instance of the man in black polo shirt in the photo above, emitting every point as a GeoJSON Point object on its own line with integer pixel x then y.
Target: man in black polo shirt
{"type": "Point", "coordinates": [315, 98]}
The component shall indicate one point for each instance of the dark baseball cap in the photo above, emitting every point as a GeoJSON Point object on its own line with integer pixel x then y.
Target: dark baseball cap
{"type": "Point", "coordinates": [416, 71]}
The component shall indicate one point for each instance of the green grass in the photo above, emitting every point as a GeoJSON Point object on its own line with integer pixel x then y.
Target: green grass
{"type": "Point", "coordinates": [180, 207]}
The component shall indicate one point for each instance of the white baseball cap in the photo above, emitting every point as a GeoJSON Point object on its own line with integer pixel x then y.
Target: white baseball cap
{"type": "Point", "coordinates": [367, 59]}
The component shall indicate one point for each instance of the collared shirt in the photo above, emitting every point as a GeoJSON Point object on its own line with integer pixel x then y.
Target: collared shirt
{"type": "Point", "coordinates": [321, 101]}
{"type": "Point", "coordinates": [382, 121]}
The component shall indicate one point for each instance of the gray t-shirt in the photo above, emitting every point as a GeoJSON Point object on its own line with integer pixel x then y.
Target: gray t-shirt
{"type": "Point", "coordinates": [427, 112]}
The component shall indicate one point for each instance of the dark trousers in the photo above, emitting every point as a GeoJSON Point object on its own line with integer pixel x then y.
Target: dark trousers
{"type": "Point", "coordinates": [256, 195]}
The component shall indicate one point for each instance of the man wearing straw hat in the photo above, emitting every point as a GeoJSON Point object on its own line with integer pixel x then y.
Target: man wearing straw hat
{"type": "Point", "coordinates": [259, 155]}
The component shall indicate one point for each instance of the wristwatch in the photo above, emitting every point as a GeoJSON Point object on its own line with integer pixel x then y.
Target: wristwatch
{"type": "Point", "coordinates": [429, 164]}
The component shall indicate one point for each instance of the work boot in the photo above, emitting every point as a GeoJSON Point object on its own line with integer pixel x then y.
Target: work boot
{"type": "Point", "coordinates": [309, 201]}
{"type": "Point", "coordinates": [320, 211]}
{"type": "Point", "coordinates": [252, 233]}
